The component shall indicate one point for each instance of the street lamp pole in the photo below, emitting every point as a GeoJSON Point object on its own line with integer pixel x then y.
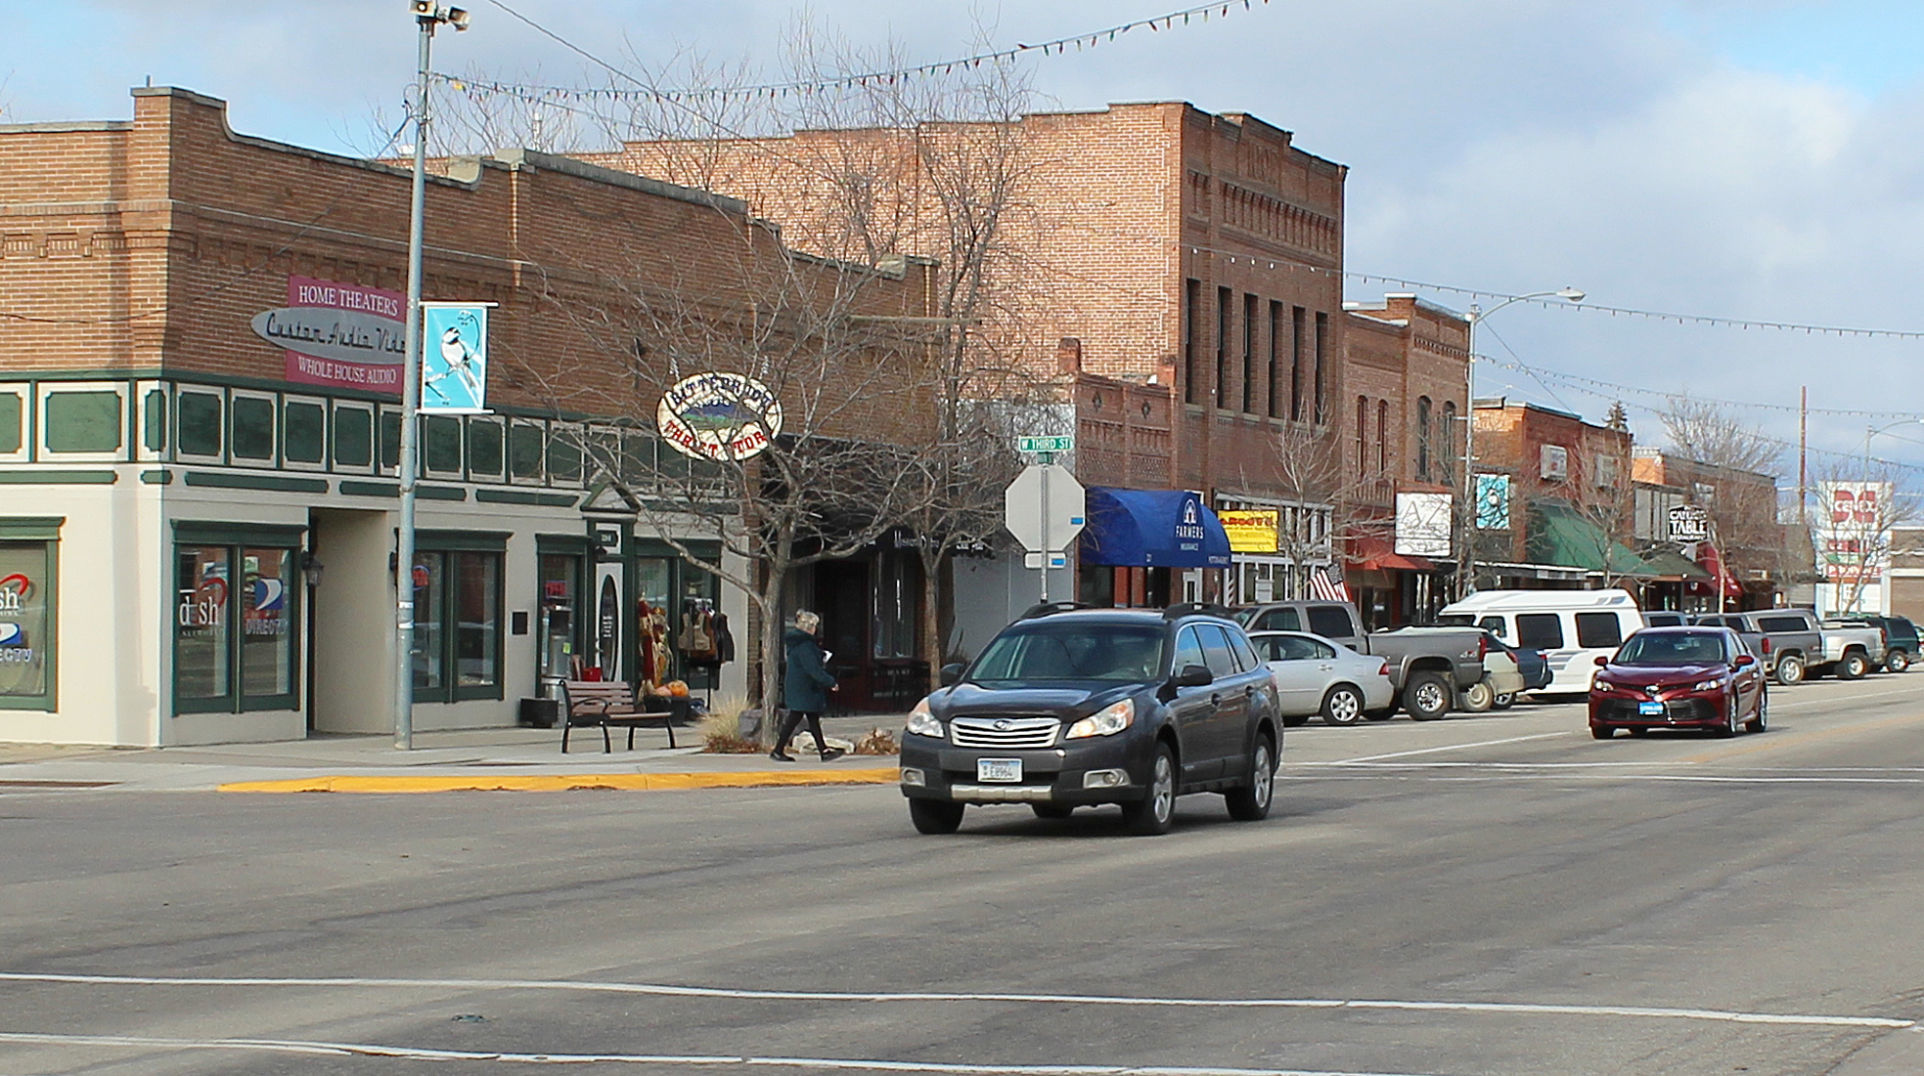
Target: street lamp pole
{"type": "Point", "coordinates": [1465, 561]}
{"type": "Point", "coordinates": [428, 14]}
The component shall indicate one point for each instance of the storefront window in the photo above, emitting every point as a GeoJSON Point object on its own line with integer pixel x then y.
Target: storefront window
{"type": "Point", "coordinates": [26, 623]}
{"type": "Point", "coordinates": [221, 664]}
{"type": "Point", "coordinates": [560, 598]}
{"type": "Point", "coordinates": [457, 619]}
{"type": "Point", "coordinates": [430, 599]}
{"type": "Point", "coordinates": [203, 651]}
{"type": "Point", "coordinates": [267, 577]}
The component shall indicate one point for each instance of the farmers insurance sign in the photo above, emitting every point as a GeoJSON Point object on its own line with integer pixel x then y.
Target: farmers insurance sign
{"type": "Point", "coordinates": [339, 335]}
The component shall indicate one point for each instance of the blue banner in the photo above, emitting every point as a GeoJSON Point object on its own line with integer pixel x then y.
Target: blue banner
{"type": "Point", "coordinates": [454, 357]}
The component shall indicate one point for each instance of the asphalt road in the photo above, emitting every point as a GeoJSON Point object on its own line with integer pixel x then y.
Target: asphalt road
{"type": "Point", "coordinates": [1493, 894]}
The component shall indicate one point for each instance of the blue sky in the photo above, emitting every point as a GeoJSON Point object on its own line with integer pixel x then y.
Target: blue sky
{"type": "Point", "coordinates": [1750, 159]}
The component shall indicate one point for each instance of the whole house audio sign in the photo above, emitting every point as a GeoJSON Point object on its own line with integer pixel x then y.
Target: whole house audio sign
{"type": "Point", "coordinates": [340, 335]}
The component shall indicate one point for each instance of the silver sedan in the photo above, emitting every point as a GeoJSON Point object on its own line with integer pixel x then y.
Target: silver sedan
{"type": "Point", "coordinates": [1316, 676]}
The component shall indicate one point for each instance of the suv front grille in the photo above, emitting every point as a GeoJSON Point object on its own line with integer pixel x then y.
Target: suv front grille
{"type": "Point", "coordinates": [1004, 732]}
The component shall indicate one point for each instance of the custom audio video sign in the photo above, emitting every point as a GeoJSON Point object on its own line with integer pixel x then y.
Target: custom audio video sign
{"type": "Point", "coordinates": [338, 334]}
{"type": "Point", "coordinates": [719, 416]}
{"type": "Point", "coordinates": [454, 357]}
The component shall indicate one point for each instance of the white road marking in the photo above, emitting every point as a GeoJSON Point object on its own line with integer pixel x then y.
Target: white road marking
{"type": "Point", "coordinates": [1449, 747]}
{"type": "Point", "coordinates": [668, 990]}
{"type": "Point", "coordinates": [818, 1064]}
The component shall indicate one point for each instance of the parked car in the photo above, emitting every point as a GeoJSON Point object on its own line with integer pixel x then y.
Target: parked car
{"type": "Point", "coordinates": [1315, 675]}
{"type": "Point", "coordinates": [1900, 641]}
{"type": "Point", "coordinates": [1501, 676]}
{"type": "Point", "coordinates": [1075, 707]}
{"type": "Point", "coordinates": [1428, 666]}
{"type": "Point", "coordinates": [1572, 627]}
{"type": "Point", "coordinates": [1531, 666]}
{"type": "Point", "coordinates": [1853, 648]}
{"type": "Point", "coordinates": [1696, 677]}
{"type": "Point", "coordinates": [1863, 627]}
{"type": "Point", "coordinates": [1665, 618]}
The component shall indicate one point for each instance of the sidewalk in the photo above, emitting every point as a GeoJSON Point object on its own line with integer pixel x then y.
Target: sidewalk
{"type": "Point", "coordinates": [506, 759]}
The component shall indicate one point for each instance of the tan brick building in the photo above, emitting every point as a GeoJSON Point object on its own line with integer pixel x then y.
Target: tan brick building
{"type": "Point", "coordinates": [199, 357]}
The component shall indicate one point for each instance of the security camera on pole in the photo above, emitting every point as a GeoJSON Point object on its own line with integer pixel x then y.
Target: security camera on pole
{"type": "Point", "coordinates": [1044, 506]}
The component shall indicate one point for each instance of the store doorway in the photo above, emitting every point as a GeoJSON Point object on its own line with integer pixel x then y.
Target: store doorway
{"type": "Point", "coordinates": [350, 622]}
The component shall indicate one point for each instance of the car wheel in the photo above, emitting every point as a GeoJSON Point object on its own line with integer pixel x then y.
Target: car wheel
{"type": "Point", "coordinates": [1762, 721]}
{"type": "Point", "coordinates": [1602, 732]}
{"type": "Point", "coordinates": [1151, 815]}
{"type": "Point", "coordinates": [1897, 662]}
{"type": "Point", "coordinates": [1479, 697]}
{"type": "Point", "coordinates": [1729, 727]}
{"type": "Point", "coordinates": [1342, 706]}
{"type": "Point", "coordinates": [1790, 669]}
{"type": "Point", "coordinates": [1055, 812]}
{"type": "Point", "coordinates": [1503, 700]}
{"type": "Point", "coordinates": [1250, 803]}
{"type": "Point", "coordinates": [935, 816]}
{"type": "Point", "coordinates": [1853, 667]}
{"type": "Point", "coordinates": [1427, 696]}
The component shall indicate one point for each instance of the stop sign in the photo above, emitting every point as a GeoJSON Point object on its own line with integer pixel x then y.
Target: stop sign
{"type": "Point", "coordinates": [1043, 507]}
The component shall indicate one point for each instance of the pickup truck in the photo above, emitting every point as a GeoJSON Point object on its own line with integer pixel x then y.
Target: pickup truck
{"type": "Point", "coordinates": [1429, 667]}
{"type": "Point", "coordinates": [1853, 647]}
{"type": "Point", "coordinates": [1797, 644]}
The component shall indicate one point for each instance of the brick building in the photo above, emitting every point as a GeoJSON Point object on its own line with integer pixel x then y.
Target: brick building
{"type": "Point", "coordinates": [1743, 548]}
{"type": "Point", "coordinates": [199, 360]}
{"type": "Point", "coordinates": [1194, 260]}
{"type": "Point", "coordinates": [1556, 509]}
{"type": "Point", "coordinates": [1406, 370]}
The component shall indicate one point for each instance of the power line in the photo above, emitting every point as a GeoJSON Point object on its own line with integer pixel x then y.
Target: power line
{"type": "Point", "coordinates": [1086, 40]}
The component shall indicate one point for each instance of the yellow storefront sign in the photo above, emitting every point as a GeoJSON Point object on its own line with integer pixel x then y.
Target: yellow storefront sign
{"type": "Point", "coordinates": [1250, 530]}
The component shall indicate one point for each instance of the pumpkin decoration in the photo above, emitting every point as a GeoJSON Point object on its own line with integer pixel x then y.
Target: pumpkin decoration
{"type": "Point", "coordinates": [677, 689]}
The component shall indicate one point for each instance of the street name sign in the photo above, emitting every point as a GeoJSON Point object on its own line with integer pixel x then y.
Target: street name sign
{"type": "Point", "coordinates": [1035, 445]}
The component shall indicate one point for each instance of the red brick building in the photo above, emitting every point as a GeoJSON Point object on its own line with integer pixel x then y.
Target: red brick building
{"type": "Point", "coordinates": [1566, 516]}
{"type": "Point", "coordinates": [1194, 259]}
{"type": "Point", "coordinates": [179, 458]}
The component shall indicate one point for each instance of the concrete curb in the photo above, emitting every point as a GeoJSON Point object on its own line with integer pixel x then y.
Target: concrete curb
{"type": "Point", "coordinates": [566, 782]}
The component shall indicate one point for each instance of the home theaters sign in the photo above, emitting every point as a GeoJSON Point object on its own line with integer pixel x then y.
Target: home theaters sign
{"type": "Point", "coordinates": [340, 335]}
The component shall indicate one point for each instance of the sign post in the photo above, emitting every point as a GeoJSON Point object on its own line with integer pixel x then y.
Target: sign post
{"type": "Point", "coordinates": [1044, 509]}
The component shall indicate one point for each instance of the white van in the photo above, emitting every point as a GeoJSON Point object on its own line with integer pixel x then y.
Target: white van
{"type": "Point", "coordinates": [1571, 627]}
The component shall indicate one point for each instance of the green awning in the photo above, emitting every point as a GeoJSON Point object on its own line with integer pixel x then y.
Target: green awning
{"type": "Point", "coordinates": [1665, 564]}
{"type": "Point", "coordinates": [1561, 534]}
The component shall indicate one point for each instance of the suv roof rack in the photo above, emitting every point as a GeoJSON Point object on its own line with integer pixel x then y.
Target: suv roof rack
{"type": "Point", "coordinates": [1046, 608]}
{"type": "Point", "coordinates": [1197, 609]}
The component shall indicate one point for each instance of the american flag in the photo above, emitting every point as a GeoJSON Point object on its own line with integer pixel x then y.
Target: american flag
{"type": "Point", "coordinates": [1327, 584]}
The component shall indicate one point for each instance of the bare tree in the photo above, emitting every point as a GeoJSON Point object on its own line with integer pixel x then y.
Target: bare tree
{"type": "Point", "coordinates": [1328, 495]}
{"type": "Point", "coordinates": [1863, 504]}
{"type": "Point", "coordinates": [1731, 465]}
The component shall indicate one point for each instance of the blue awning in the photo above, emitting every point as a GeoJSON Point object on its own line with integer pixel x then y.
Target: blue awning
{"type": "Point", "coordinates": [1152, 528]}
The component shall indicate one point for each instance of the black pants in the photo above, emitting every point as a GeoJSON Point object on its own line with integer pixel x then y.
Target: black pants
{"type": "Point", "coordinates": [792, 720]}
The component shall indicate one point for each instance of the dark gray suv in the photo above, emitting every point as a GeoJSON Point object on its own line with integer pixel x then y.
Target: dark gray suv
{"type": "Point", "coordinates": [1075, 707]}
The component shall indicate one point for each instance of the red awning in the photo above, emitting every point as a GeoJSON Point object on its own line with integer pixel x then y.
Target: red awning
{"type": "Point", "coordinates": [1377, 554]}
{"type": "Point", "coordinates": [1714, 564]}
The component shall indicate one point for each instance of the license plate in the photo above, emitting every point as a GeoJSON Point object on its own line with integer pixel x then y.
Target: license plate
{"type": "Point", "coordinates": [1650, 709]}
{"type": "Point", "coordinates": [1000, 771]}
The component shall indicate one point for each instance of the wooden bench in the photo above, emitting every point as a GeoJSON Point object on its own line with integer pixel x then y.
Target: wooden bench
{"type": "Point", "coordinates": [605, 703]}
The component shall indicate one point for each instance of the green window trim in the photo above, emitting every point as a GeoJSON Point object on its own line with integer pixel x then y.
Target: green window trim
{"type": "Point", "coordinates": [252, 433]}
{"type": "Point", "coordinates": [486, 448]}
{"type": "Point", "coordinates": [210, 532]}
{"type": "Point", "coordinates": [153, 420]}
{"type": "Point", "coordinates": [13, 410]}
{"type": "Point", "coordinates": [441, 444]}
{"type": "Point", "coordinates": [526, 447]}
{"type": "Point", "coordinates": [35, 529]}
{"type": "Point", "coordinates": [391, 440]}
{"type": "Point", "coordinates": [304, 432]}
{"type": "Point", "coordinates": [353, 437]}
{"type": "Point", "coordinates": [83, 421]}
{"type": "Point", "coordinates": [470, 541]}
{"type": "Point", "coordinates": [199, 427]}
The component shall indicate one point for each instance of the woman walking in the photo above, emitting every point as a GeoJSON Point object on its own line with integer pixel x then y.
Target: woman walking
{"type": "Point", "coordinates": [805, 687]}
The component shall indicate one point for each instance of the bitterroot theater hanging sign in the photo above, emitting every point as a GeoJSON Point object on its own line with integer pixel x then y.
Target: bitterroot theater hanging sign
{"type": "Point", "coordinates": [339, 335]}
{"type": "Point", "coordinates": [719, 416]}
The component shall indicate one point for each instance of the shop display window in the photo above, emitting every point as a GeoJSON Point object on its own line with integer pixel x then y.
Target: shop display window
{"type": "Point", "coordinates": [27, 593]}
{"type": "Point", "coordinates": [457, 619]}
{"type": "Point", "coordinates": [229, 663]}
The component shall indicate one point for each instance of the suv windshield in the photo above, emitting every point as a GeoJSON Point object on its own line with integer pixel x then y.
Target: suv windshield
{"type": "Point", "coordinates": [1118, 653]}
{"type": "Point", "coordinates": [1671, 649]}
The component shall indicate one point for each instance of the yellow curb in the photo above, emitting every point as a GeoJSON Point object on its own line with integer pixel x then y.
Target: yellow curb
{"type": "Point", "coordinates": [566, 782]}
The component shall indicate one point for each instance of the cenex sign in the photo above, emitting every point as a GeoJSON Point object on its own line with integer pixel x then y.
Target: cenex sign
{"type": "Point", "coordinates": [341, 335]}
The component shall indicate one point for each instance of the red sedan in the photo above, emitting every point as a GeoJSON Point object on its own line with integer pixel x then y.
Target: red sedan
{"type": "Point", "coordinates": [1679, 678]}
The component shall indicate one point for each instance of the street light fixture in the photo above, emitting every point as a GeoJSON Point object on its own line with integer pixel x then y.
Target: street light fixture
{"type": "Point", "coordinates": [428, 14]}
{"type": "Point", "coordinates": [1466, 559]}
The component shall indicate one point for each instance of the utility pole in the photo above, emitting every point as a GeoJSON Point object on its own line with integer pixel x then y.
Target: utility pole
{"type": "Point", "coordinates": [428, 14]}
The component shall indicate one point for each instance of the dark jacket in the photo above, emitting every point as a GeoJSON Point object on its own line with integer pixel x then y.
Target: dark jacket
{"type": "Point", "coordinates": [806, 681]}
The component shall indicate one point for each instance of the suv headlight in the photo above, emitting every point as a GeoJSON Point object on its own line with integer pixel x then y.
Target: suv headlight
{"type": "Point", "coordinates": [924, 723]}
{"type": "Point", "coordinates": [1603, 685]}
{"type": "Point", "coordinates": [1104, 722]}
{"type": "Point", "coordinates": [1707, 685]}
